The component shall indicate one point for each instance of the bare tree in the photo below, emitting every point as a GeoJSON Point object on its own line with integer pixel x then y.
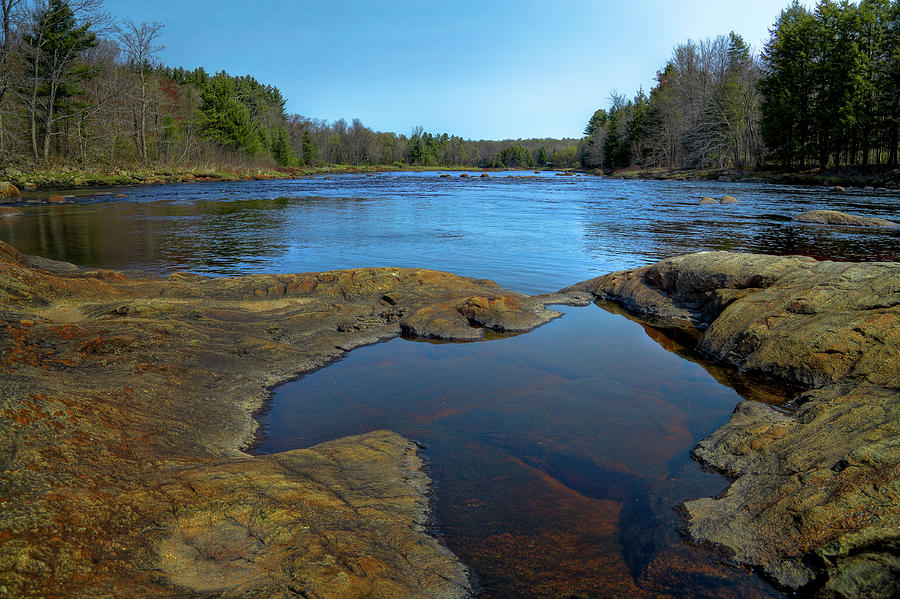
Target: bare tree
{"type": "Point", "coordinates": [140, 45]}
{"type": "Point", "coordinates": [57, 32]}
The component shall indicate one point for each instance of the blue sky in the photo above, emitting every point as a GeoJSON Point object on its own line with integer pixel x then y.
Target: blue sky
{"type": "Point", "coordinates": [487, 69]}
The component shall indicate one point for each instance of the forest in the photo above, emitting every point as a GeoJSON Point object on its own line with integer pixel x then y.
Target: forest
{"type": "Point", "coordinates": [78, 89]}
{"type": "Point", "coordinates": [823, 92]}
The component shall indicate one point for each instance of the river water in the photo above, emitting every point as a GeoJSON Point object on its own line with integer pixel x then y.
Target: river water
{"type": "Point", "coordinates": [559, 455]}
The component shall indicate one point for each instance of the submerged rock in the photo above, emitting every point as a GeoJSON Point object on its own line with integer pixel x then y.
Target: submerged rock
{"type": "Point", "coordinates": [9, 211]}
{"type": "Point", "coordinates": [126, 402]}
{"type": "Point", "coordinates": [815, 498]}
{"type": "Point", "coordinates": [833, 217]}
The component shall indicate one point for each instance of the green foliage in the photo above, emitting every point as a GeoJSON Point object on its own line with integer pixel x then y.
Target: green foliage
{"type": "Point", "coordinates": [244, 115]}
{"type": "Point", "coordinates": [828, 96]}
{"type": "Point", "coordinates": [515, 156]}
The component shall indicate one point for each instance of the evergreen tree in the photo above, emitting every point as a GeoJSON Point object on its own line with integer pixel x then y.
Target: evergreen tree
{"type": "Point", "coordinates": [224, 119]}
{"type": "Point", "coordinates": [54, 42]}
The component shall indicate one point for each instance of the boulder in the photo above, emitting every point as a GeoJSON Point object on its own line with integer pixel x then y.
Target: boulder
{"type": "Point", "coordinates": [9, 193]}
{"type": "Point", "coordinates": [834, 217]}
{"type": "Point", "coordinates": [729, 199]}
{"type": "Point", "coordinates": [464, 175]}
{"type": "Point", "coordinates": [57, 200]}
{"type": "Point", "coordinates": [838, 188]}
{"type": "Point", "coordinates": [484, 175]}
{"type": "Point", "coordinates": [708, 200]}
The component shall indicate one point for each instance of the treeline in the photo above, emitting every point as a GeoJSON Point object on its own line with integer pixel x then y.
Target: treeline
{"type": "Point", "coordinates": [78, 89]}
{"type": "Point", "coordinates": [824, 91]}
{"type": "Point", "coordinates": [318, 143]}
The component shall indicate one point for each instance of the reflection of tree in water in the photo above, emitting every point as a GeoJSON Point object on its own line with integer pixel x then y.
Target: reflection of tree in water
{"type": "Point", "coordinates": [217, 234]}
{"type": "Point", "coordinates": [161, 236]}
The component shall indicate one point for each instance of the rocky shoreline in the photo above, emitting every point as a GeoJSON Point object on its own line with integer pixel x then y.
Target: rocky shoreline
{"type": "Point", "coordinates": [127, 403]}
{"type": "Point", "coordinates": [815, 500]}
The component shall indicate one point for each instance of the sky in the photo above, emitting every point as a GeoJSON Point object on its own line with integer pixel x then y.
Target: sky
{"type": "Point", "coordinates": [491, 69]}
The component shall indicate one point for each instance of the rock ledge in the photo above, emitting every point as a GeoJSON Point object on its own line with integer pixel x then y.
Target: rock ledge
{"type": "Point", "coordinates": [815, 501]}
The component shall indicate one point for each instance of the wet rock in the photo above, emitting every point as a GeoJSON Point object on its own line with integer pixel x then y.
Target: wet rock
{"type": "Point", "coordinates": [838, 188]}
{"type": "Point", "coordinates": [708, 200]}
{"type": "Point", "coordinates": [833, 217]}
{"type": "Point", "coordinates": [57, 200]}
{"type": "Point", "coordinates": [464, 175]}
{"type": "Point", "coordinates": [126, 402]}
{"type": "Point", "coordinates": [729, 199]}
{"type": "Point", "coordinates": [9, 193]}
{"type": "Point", "coordinates": [120, 195]}
{"type": "Point", "coordinates": [815, 493]}
{"type": "Point", "coordinates": [484, 175]}
{"type": "Point", "coordinates": [9, 211]}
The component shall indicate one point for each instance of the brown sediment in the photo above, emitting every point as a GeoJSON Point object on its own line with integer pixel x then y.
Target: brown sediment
{"type": "Point", "coordinates": [815, 501]}
{"type": "Point", "coordinates": [126, 402]}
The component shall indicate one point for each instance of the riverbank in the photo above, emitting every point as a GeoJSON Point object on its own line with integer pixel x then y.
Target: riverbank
{"type": "Point", "coordinates": [127, 401]}
{"type": "Point", "coordinates": [64, 178]}
{"type": "Point", "coordinates": [887, 179]}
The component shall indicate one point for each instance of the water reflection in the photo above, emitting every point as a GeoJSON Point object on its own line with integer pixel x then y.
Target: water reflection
{"type": "Point", "coordinates": [557, 455]}
{"type": "Point", "coordinates": [534, 234]}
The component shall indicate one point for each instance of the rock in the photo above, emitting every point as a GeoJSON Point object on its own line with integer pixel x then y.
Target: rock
{"type": "Point", "coordinates": [838, 188]}
{"type": "Point", "coordinates": [815, 493]}
{"type": "Point", "coordinates": [57, 200]}
{"type": "Point", "coordinates": [126, 402]}
{"type": "Point", "coordinates": [9, 211]}
{"type": "Point", "coordinates": [596, 171]}
{"type": "Point", "coordinates": [120, 195]}
{"type": "Point", "coordinates": [9, 193]}
{"type": "Point", "coordinates": [729, 199]}
{"type": "Point", "coordinates": [444, 176]}
{"type": "Point", "coordinates": [484, 175]}
{"type": "Point", "coordinates": [708, 200]}
{"type": "Point", "coordinates": [464, 175]}
{"type": "Point", "coordinates": [833, 217]}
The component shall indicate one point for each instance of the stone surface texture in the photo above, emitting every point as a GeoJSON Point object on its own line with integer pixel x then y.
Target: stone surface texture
{"type": "Point", "coordinates": [834, 217]}
{"type": "Point", "coordinates": [127, 403]}
{"type": "Point", "coordinates": [815, 500]}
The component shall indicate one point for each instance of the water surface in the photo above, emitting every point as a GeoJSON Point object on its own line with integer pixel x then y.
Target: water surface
{"type": "Point", "coordinates": [533, 233]}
